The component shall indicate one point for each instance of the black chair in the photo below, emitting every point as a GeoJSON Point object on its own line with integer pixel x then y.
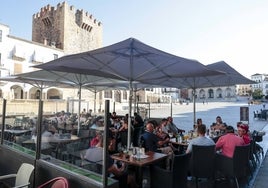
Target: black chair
{"type": "Point", "coordinates": [123, 138]}
{"type": "Point", "coordinates": [237, 167]}
{"type": "Point", "coordinates": [252, 157]}
{"type": "Point", "coordinates": [176, 177]}
{"type": "Point", "coordinates": [202, 163]}
{"type": "Point", "coordinates": [137, 132]}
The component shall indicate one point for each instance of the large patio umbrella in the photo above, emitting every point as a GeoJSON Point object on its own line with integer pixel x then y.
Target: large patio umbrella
{"type": "Point", "coordinates": [129, 60]}
{"type": "Point", "coordinates": [231, 76]}
{"type": "Point", "coordinates": [42, 79]}
{"type": "Point", "coordinates": [46, 78]}
{"type": "Point", "coordinates": [228, 77]}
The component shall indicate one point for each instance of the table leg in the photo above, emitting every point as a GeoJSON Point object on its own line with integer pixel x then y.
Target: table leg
{"type": "Point", "coordinates": [139, 175]}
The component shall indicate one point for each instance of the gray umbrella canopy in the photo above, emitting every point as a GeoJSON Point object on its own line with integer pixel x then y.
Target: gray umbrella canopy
{"type": "Point", "coordinates": [228, 76]}
{"type": "Point", "coordinates": [44, 79]}
{"type": "Point", "coordinates": [231, 76]}
{"type": "Point", "coordinates": [129, 60]}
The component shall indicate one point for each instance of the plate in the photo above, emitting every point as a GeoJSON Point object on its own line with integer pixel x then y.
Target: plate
{"type": "Point", "coordinates": [141, 156]}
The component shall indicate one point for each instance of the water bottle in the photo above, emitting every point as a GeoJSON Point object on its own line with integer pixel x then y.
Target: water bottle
{"type": "Point", "coordinates": [180, 139]}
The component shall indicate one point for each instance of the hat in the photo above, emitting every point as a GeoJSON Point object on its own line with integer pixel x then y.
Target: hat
{"type": "Point", "coordinates": [244, 126]}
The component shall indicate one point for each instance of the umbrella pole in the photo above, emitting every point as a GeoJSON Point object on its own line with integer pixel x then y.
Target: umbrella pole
{"type": "Point", "coordinates": [3, 120]}
{"type": "Point", "coordinates": [135, 101]}
{"type": "Point", "coordinates": [105, 144]}
{"type": "Point", "coordinates": [79, 110]}
{"type": "Point", "coordinates": [194, 106]}
{"type": "Point", "coordinates": [129, 115]}
{"type": "Point", "coordinates": [171, 107]}
{"type": "Point", "coordinates": [39, 130]}
{"type": "Point", "coordinates": [95, 98]}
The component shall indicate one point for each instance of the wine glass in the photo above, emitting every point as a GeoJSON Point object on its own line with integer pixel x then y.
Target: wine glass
{"type": "Point", "coordinates": [134, 151]}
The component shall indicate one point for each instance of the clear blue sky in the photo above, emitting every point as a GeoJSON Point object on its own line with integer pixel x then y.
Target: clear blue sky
{"type": "Point", "coordinates": [235, 31]}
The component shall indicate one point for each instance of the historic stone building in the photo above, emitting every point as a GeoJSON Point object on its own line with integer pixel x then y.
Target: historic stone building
{"type": "Point", "coordinates": [66, 28]}
{"type": "Point", "coordinates": [228, 93]}
{"type": "Point", "coordinates": [57, 31]}
{"type": "Point", "coordinates": [261, 83]}
{"type": "Point", "coordinates": [62, 30]}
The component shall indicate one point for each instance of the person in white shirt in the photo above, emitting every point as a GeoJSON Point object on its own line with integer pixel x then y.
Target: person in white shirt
{"type": "Point", "coordinates": [201, 140]}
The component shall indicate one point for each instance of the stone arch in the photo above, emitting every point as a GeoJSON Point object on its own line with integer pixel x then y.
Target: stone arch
{"type": "Point", "coordinates": [54, 94]}
{"type": "Point", "coordinates": [34, 93]}
{"type": "Point", "coordinates": [16, 92]}
{"type": "Point", "coordinates": [210, 93]}
{"type": "Point", "coordinates": [219, 93]}
{"type": "Point", "coordinates": [228, 92]}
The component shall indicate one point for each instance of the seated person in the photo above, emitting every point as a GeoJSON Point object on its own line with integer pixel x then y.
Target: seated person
{"type": "Point", "coordinates": [172, 127]}
{"type": "Point", "coordinates": [151, 142]}
{"type": "Point", "coordinates": [243, 132]}
{"type": "Point", "coordinates": [163, 125]}
{"type": "Point", "coordinates": [218, 125]}
{"type": "Point", "coordinates": [95, 140]}
{"type": "Point", "coordinates": [119, 171]}
{"type": "Point", "coordinates": [198, 122]}
{"type": "Point", "coordinates": [97, 123]}
{"type": "Point", "coordinates": [124, 126]}
{"type": "Point", "coordinates": [116, 123]}
{"type": "Point", "coordinates": [226, 143]}
{"type": "Point", "coordinates": [201, 140]}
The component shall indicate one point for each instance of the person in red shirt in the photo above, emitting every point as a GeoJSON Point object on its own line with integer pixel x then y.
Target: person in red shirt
{"type": "Point", "coordinates": [95, 140]}
{"type": "Point", "coordinates": [226, 143]}
{"type": "Point", "coordinates": [243, 131]}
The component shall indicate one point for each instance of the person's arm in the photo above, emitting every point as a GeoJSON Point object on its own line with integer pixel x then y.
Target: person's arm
{"type": "Point", "coordinates": [115, 170]}
{"type": "Point", "coordinates": [219, 143]}
{"type": "Point", "coordinates": [189, 148]}
{"type": "Point", "coordinates": [163, 142]}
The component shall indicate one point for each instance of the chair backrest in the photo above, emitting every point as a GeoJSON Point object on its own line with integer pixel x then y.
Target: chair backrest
{"type": "Point", "coordinates": [180, 167]}
{"type": "Point", "coordinates": [123, 136]}
{"type": "Point", "coordinates": [58, 182]}
{"type": "Point", "coordinates": [241, 160]}
{"type": "Point", "coordinates": [24, 174]}
{"type": "Point", "coordinates": [202, 163]}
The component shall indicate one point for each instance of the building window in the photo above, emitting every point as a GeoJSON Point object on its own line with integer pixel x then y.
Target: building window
{"type": "Point", "coordinates": [108, 94]}
{"type": "Point", "coordinates": [1, 35]}
{"type": "Point", "coordinates": [17, 68]}
{"type": "Point", "coordinates": [124, 95]}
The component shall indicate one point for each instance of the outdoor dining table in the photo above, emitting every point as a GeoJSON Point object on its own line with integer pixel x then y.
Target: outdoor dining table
{"type": "Point", "coordinates": [148, 159]}
{"type": "Point", "coordinates": [93, 162]}
{"type": "Point", "coordinates": [16, 131]}
{"type": "Point", "coordinates": [59, 142]}
{"type": "Point", "coordinates": [181, 146]}
{"type": "Point", "coordinates": [11, 133]}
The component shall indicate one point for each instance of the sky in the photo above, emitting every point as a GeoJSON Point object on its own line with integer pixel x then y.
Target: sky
{"type": "Point", "coordinates": [234, 31]}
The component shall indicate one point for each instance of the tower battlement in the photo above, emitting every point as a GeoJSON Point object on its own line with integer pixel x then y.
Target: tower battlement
{"type": "Point", "coordinates": [67, 28]}
{"type": "Point", "coordinates": [83, 16]}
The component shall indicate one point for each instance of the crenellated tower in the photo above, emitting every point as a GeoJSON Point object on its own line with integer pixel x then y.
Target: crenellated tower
{"type": "Point", "coordinates": [66, 28]}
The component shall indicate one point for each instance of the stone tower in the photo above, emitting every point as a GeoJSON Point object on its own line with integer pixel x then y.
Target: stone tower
{"type": "Point", "coordinates": [63, 27]}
